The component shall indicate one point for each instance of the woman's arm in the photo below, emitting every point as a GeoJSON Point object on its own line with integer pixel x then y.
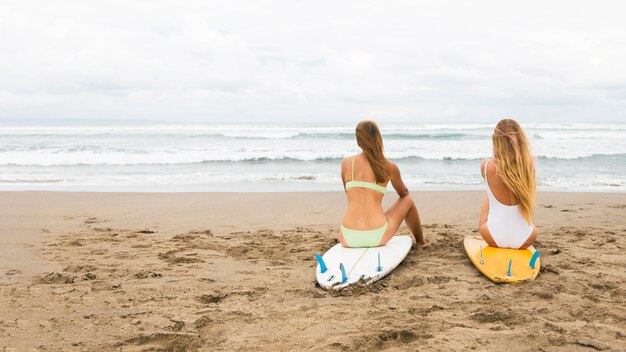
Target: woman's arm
{"type": "Point", "coordinates": [482, 168]}
{"type": "Point", "coordinates": [343, 178]}
{"type": "Point", "coordinates": [396, 181]}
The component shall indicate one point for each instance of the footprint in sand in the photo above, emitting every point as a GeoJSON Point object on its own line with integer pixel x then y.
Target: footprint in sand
{"type": "Point", "coordinates": [93, 220]}
{"type": "Point", "coordinates": [170, 257]}
{"type": "Point", "coordinates": [146, 274]}
{"type": "Point", "coordinates": [144, 231]}
{"type": "Point", "coordinates": [438, 279]}
{"type": "Point", "coordinates": [380, 340]}
{"type": "Point", "coordinates": [57, 278]}
{"type": "Point", "coordinates": [549, 269]}
{"type": "Point", "coordinates": [415, 281]}
{"type": "Point", "coordinates": [212, 298]}
{"type": "Point", "coordinates": [543, 295]}
{"type": "Point", "coordinates": [78, 268]}
{"type": "Point", "coordinates": [201, 232]}
{"type": "Point", "coordinates": [492, 315]}
{"type": "Point", "coordinates": [74, 243]}
{"type": "Point", "coordinates": [166, 341]}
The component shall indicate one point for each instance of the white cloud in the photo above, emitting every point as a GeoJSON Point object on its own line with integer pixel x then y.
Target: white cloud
{"type": "Point", "coordinates": [322, 61]}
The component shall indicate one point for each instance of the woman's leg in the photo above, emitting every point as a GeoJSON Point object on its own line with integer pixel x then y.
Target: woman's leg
{"type": "Point", "coordinates": [404, 209]}
{"type": "Point", "coordinates": [484, 231]}
{"type": "Point", "coordinates": [531, 238]}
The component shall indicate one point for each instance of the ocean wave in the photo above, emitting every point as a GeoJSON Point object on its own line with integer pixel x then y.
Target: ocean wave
{"type": "Point", "coordinates": [576, 126]}
{"type": "Point", "coordinates": [279, 159]}
{"type": "Point", "coordinates": [618, 156]}
{"type": "Point", "coordinates": [124, 160]}
{"type": "Point", "coordinates": [395, 136]}
{"type": "Point", "coordinates": [270, 136]}
{"type": "Point", "coordinates": [32, 180]}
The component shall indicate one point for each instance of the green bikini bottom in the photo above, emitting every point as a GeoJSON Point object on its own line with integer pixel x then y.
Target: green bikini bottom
{"type": "Point", "coordinates": [363, 238]}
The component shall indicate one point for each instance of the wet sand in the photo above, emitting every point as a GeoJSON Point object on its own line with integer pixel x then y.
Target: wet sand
{"type": "Point", "coordinates": [235, 271]}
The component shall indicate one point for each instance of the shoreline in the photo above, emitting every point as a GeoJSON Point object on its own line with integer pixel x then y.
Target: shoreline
{"type": "Point", "coordinates": [228, 271]}
{"type": "Point", "coordinates": [275, 157]}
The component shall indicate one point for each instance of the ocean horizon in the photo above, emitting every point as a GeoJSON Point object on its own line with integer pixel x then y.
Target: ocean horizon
{"type": "Point", "coordinates": [114, 156]}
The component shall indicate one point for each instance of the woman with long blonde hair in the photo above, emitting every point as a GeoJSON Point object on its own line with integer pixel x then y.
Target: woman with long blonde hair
{"type": "Point", "coordinates": [506, 217]}
{"type": "Point", "coordinates": [365, 177]}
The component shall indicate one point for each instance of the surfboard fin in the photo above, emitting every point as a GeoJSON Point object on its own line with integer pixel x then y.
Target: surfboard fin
{"type": "Point", "coordinates": [482, 261]}
{"type": "Point", "coordinates": [319, 259]}
{"type": "Point", "coordinates": [379, 268]}
{"type": "Point", "coordinates": [533, 259]}
{"type": "Point", "coordinates": [508, 271]}
{"type": "Point", "coordinates": [344, 277]}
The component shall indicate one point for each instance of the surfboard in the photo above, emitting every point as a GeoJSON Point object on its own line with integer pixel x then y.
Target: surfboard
{"type": "Point", "coordinates": [502, 265]}
{"type": "Point", "coordinates": [340, 267]}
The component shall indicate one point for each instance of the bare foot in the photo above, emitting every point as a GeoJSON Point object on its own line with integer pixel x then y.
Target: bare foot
{"type": "Point", "coordinates": [423, 245]}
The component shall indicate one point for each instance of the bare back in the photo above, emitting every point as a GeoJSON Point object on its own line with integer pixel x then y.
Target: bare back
{"type": "Point", "coordinates": [365, 210]}
{"type": "Point", "coordinates": [497, 186]}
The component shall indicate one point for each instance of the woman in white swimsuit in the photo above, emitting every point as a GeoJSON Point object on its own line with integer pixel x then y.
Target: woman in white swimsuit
{"type": "Point", "coordinates": [506, 217]}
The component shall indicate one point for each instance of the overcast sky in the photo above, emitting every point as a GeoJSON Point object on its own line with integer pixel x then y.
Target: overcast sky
{"type": "Point", "coordinates": [314, 61]}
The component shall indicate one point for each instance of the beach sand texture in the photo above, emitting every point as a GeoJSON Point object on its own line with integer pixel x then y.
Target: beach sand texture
{"type": "Point", "coordinates": [220, 271]}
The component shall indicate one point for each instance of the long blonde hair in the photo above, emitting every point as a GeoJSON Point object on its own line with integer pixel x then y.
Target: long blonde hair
{"type": "Point", "coordinates": [369, 139]}
{"type": "Point", "coordinates": [515, 165]}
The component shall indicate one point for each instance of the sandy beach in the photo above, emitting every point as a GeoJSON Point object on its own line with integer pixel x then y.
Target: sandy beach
{"type": "Point", "coordinates": [235, 271]}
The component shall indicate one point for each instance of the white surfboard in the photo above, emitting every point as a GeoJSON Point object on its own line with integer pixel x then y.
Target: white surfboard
{"type": "Point", "coordinates": [361, 264]}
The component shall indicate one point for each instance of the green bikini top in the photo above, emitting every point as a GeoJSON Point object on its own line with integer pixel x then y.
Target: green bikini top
{"type": "Point", "coordinates": [362, 184]}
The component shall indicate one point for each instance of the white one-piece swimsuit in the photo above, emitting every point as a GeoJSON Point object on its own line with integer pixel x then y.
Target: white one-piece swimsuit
{"type": "Point", "coordinates": [507, 226]}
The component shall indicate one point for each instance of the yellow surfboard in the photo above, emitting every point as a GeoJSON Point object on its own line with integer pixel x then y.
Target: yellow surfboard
{"type": "Point", "coordinates": [502, 265]}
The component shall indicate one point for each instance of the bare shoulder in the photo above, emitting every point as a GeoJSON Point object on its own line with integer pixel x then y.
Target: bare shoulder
{"type": "Point", "coordinates": [346, 164]}
{"type": "Point", "coordinates": [395, 170]}
{"type": "Point", "coordinates": [482, 166]}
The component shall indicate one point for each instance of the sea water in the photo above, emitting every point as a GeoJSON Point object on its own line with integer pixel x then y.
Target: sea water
{"type": "Point", "coordinates": [268, 157]}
